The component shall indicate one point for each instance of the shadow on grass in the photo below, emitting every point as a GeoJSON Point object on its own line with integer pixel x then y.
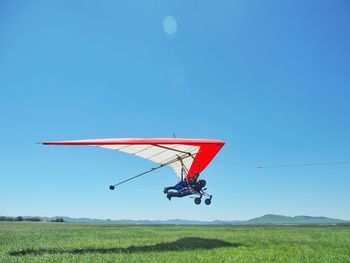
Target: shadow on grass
{"type": "Point", "coordinates": [183, 244]}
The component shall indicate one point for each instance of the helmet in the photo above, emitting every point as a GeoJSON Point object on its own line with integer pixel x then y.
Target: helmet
{"type": "Point", "coordinates": [202, 183]}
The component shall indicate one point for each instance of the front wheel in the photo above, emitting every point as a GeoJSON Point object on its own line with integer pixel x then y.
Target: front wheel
{"type": "Point", "coordinates": [197, 200]}
{"type": "Point", "coordinates": [207, 201]}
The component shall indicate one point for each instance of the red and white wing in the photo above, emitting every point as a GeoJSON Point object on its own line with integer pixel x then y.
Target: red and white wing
{"type": "Point", "coordinates": [196, 154]}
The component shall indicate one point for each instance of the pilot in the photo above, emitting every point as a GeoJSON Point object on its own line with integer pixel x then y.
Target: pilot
{"type": "Point", "coordinates": [195, 188]}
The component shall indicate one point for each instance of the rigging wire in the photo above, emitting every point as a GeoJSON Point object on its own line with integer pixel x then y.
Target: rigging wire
{"type": "Point", "coordinates": [284, 165]}
{"type": "Point", "coordinates": [301, 164]}
{"type": "Point", "coordinates": [258, 167]}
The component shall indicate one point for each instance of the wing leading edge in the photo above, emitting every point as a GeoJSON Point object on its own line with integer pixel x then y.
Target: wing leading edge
{"type": "Point", "coordinates": [195, 154]}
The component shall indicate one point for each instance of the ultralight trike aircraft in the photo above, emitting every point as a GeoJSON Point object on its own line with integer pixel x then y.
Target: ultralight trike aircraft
{"type": "Point", "coordinates": [188, 158]}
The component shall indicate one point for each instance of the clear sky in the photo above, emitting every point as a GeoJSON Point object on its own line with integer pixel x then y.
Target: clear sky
{"type": "Point", "coordinates": [270, 78]}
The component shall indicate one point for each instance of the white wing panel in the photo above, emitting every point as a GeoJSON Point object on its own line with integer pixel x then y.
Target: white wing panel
{"type": "Point", "coordinates": [150, 152]}
{"type": "Point", "coordinates": [134, 149]}
{"type": "Point", "coordinates": [159, 154]}
{"type": "Point", "coordinates": [115, 147]}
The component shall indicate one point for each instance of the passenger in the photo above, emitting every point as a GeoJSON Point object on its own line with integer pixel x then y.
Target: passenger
{"type": "Point", "coordinates": [183, 184]}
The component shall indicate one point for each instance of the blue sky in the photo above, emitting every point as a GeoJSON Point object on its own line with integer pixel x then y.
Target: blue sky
{"type": "Point", "coordinates": [270, 78]}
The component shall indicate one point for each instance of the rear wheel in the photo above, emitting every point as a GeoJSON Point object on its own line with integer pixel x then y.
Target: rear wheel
{"type": "Point", "coordinates": [197, 200]}
{"type": "Point", "coordinates": [207, 201]}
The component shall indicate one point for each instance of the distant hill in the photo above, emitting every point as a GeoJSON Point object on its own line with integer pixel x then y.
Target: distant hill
{"type": "Point", "coordinates": [269, 219]}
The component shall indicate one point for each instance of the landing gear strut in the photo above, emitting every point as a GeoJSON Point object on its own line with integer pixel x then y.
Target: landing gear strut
{"type": "Point", "coordinates": [207, 201]}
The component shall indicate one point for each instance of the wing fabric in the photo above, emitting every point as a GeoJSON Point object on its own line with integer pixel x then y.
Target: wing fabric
{"type": "Point", "coordinates": [196, 154]}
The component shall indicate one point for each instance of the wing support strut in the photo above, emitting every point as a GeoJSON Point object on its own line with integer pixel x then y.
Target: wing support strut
{"type": "Point", "coordinates": [179, 158]}
{"type": "Point", "coordinates": [112, 187]}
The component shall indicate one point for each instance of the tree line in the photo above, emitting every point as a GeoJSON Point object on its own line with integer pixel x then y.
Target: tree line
{"type": "Point", "coordinates": [29, 219]}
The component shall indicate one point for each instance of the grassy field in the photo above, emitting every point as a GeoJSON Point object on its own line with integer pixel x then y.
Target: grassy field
{"type": "Point", "coordinates": [63, 242]}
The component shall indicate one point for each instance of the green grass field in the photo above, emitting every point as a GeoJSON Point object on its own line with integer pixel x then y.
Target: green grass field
{"type": "Point", "coordinates": [63, 242]}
